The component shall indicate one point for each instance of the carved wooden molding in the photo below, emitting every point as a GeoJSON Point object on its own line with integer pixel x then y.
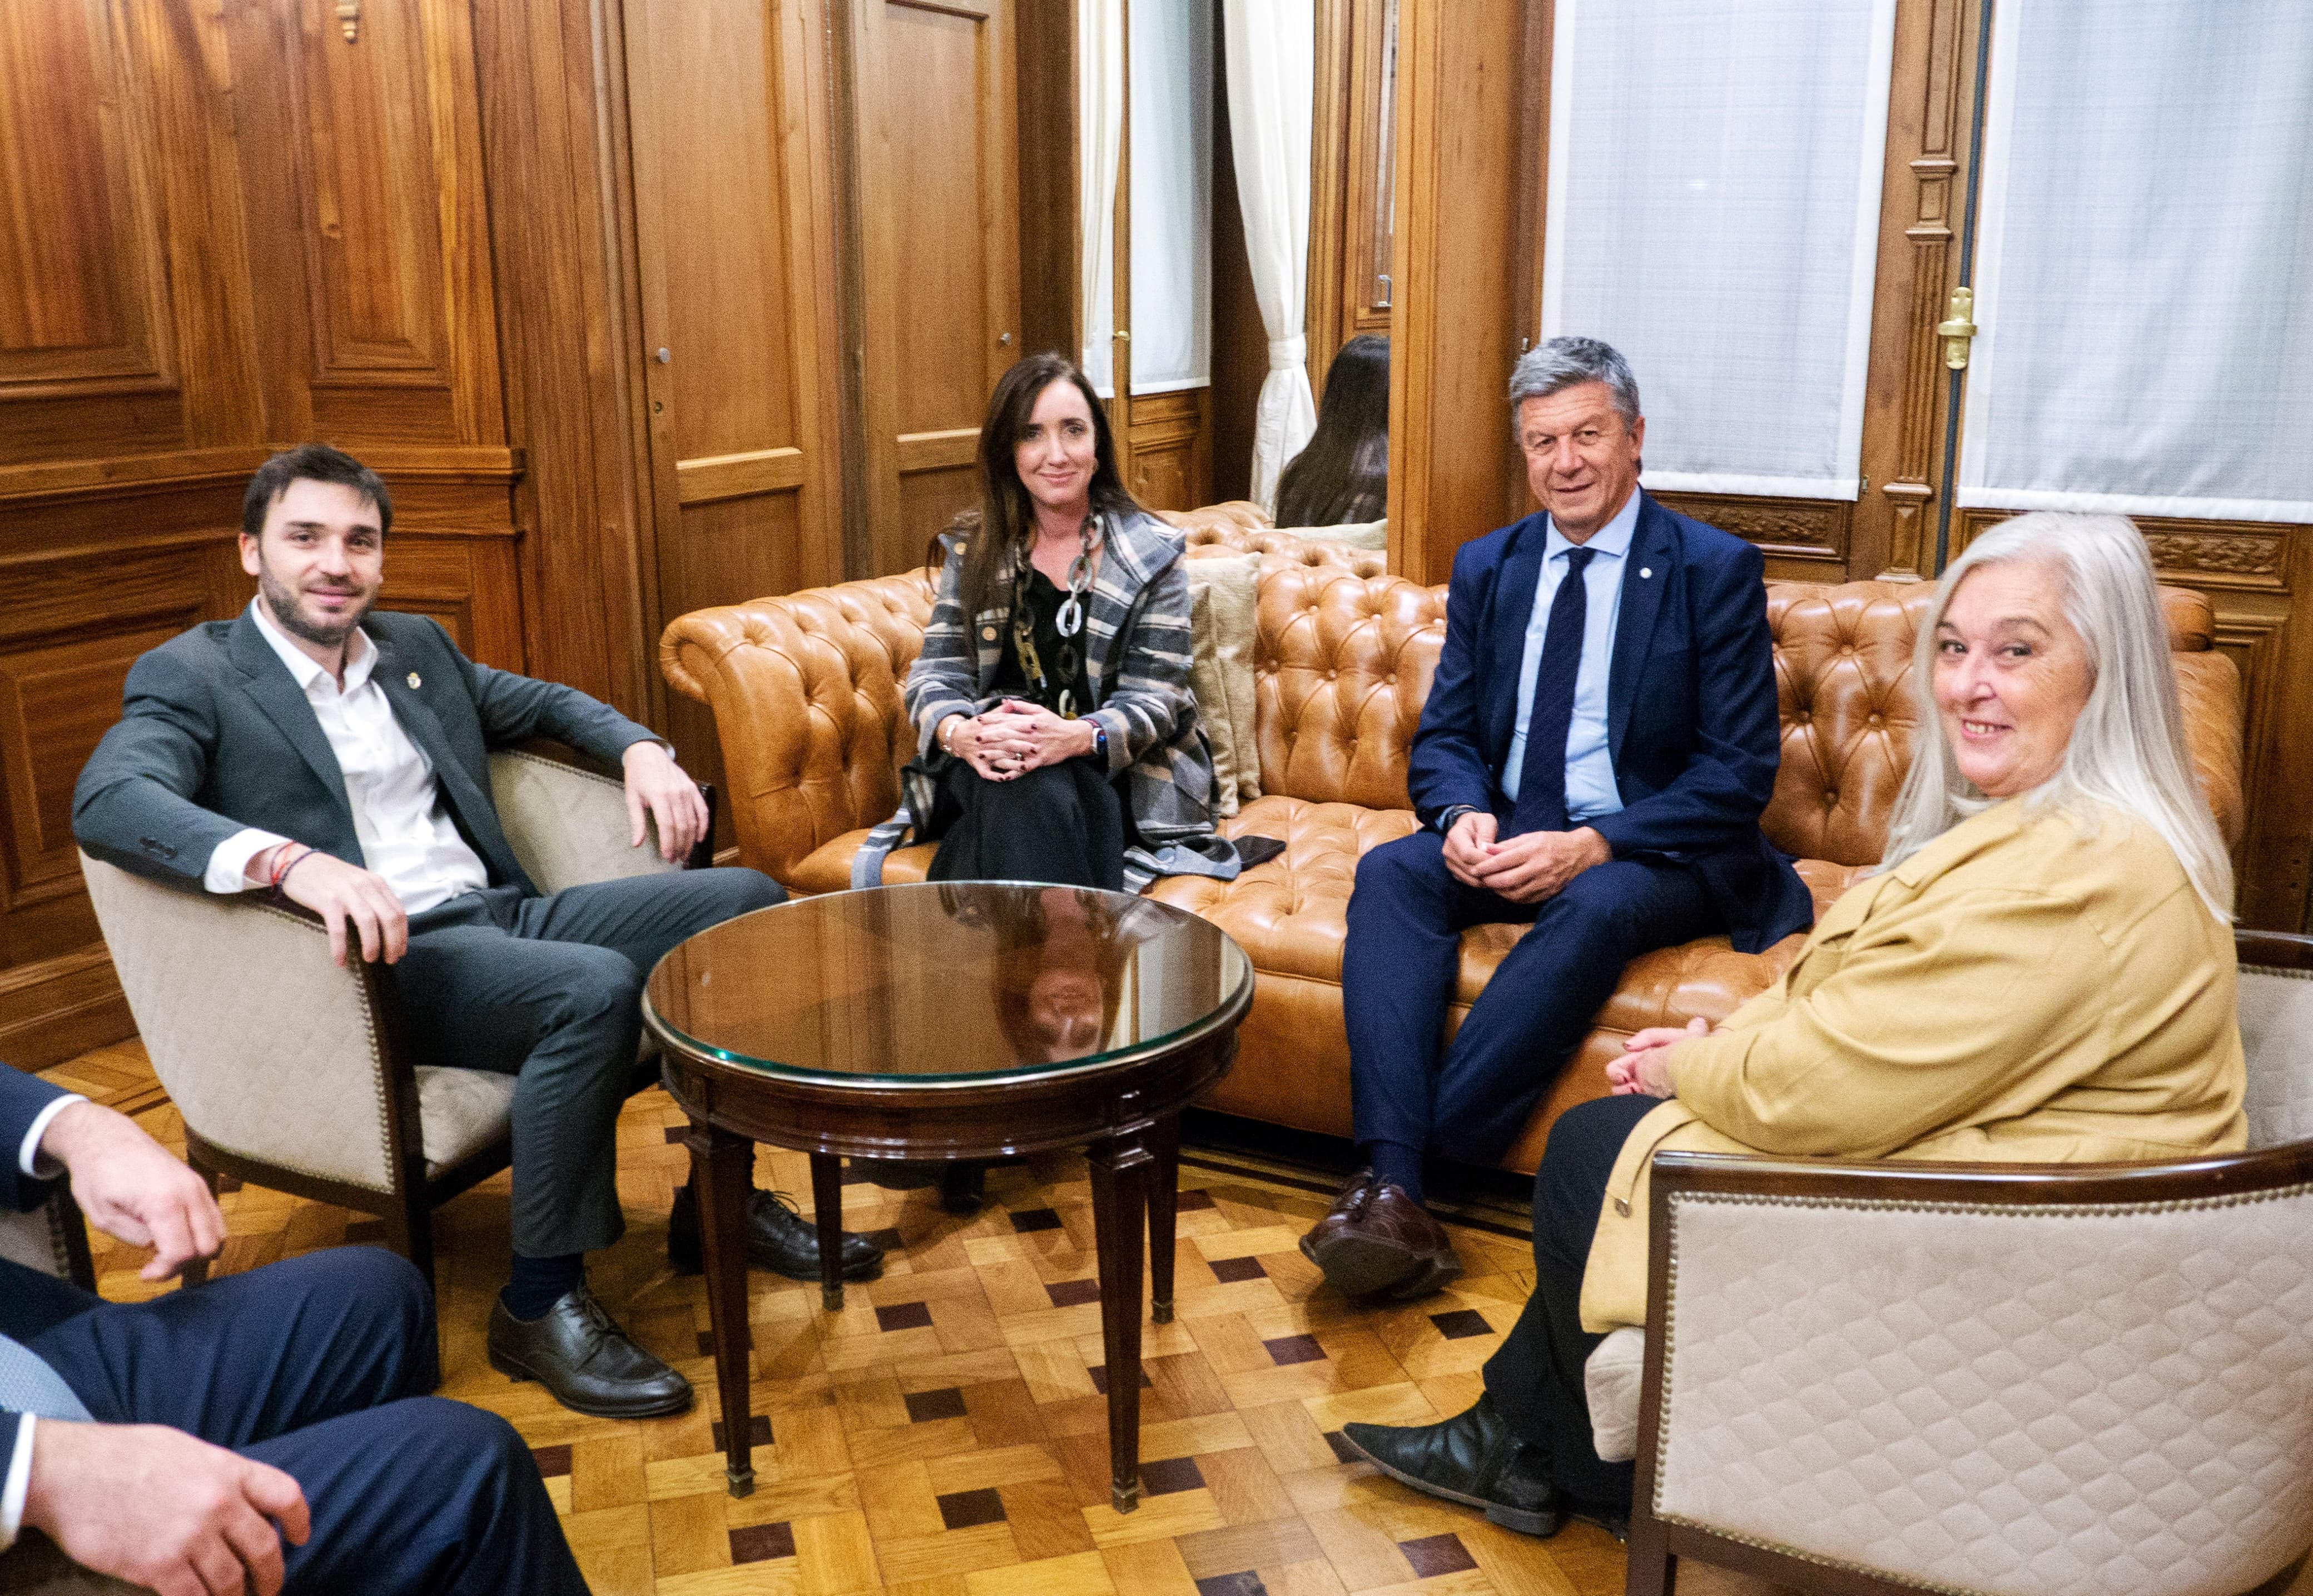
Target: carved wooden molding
{"type": "Point", "coordinates": [1797, 527]}
{"type": "Point", "coordinates": [2219, 554]}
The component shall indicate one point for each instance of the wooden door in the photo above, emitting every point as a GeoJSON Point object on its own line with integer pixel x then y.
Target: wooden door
{"type": "Point", "coordinates": [726, 103]}
{"type": "Point", "coordinates": [936, 101]}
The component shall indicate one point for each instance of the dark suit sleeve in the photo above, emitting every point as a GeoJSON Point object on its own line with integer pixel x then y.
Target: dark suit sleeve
{"type": "Point", "coordinates": [133, 805]}
{"type": "Point", "coordinates": [1716, 801]}
{"type": "Point", "coordinates": [1447, 766]}
{"type": "Point", "coordinates": [22, 1098]}
{"type": "Point", "coordinates": [513, 707]}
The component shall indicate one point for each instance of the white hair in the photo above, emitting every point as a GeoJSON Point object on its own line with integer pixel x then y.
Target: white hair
{"type": "Point", "coordinates": [2127, 749]}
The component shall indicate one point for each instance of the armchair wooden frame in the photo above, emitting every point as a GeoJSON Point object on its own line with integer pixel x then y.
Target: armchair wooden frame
{"type": "Point", "coordinates": [1657, 1546]}
{"type": "Point", "coordinates": [410, 1193]}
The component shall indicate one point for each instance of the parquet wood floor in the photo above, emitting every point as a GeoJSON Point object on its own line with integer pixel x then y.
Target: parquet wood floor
{"type": "Point", "coordinates": [943, 1435]}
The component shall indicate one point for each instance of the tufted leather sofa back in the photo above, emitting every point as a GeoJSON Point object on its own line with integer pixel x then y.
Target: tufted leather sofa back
{"type": "Point", "coordinates": [805, 690]}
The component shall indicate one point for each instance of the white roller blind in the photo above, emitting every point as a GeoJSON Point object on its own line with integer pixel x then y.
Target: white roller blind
{"type": "Point", "coordinates": [2144, 267]}
{"type": "Point", "coordinates": [1172, 154]}
{"type": "Point", "coordinates": [1714, 214]}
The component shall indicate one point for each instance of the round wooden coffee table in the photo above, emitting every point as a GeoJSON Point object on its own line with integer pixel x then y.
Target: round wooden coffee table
{"type": "Point", "coordinates": [947, 1021]}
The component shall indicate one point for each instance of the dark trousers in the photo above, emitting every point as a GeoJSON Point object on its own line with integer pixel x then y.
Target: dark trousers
{"type": "Point", "coordinates": [319, 1366]}
{"type": "Point", "coordinates": [1063, 825]}
{"type": "Point", "coordinates": [1535, 1376]}
{"type": "Point", "coordinates": [549, 989]}
{"type": "Point", "coordinates": [1406, 918]}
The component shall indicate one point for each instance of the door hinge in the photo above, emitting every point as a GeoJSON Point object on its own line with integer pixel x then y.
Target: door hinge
{"type": "Point", "coordinates": [1958, 329]}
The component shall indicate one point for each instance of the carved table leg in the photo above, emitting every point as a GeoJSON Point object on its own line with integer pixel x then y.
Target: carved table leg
{"type": "Point", "coordinates": [1119, 1177]}
{"type": "Point", "coordinates": [722, 1169]}
{"type": "Point", "coordinates": [827, 1207]}
{"type": "Point", "coordinates": [1164, 1201]}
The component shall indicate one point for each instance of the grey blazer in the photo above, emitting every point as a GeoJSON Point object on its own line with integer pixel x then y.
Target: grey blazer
{"type": "Point", "coordinates": [215, 735]}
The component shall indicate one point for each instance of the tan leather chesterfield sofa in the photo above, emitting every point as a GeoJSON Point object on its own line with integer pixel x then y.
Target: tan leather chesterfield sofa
{"type": "Point", "coordinates": [806, 692]}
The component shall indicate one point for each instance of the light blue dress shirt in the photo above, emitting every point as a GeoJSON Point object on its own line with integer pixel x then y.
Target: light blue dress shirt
{"type": "Point", "coordinates": [1590, 789]}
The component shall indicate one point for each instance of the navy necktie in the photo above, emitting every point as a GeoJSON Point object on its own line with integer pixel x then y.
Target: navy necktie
{"type": "Point", "coordinates": [1541, 777]}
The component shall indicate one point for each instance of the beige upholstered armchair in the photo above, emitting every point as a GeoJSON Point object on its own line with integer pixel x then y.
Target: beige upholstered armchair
{"type": "Point", "coordinates": [52, 1240]}
{"type": "Point", "coordinates": [284, 1065]}
{"type": "Point", "coordinates": [2019, 1379]}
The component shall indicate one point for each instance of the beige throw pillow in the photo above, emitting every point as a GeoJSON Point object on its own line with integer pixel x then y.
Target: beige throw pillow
{"type": "Point", "coordinates": [1357, 534]}
{"type": "Point", "coordinates": [1224, 605]}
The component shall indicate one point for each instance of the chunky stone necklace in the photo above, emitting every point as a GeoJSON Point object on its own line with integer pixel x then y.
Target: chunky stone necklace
{"type": "Point", "coordinates": [1068, 658]}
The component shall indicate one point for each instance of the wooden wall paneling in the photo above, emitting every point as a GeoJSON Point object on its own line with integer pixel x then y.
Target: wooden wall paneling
{"type": "Point", "coordinates": [1045, 41]}
{"type": "Point", "coordinates": [381, 325]}
{"type": "Point", "coordinates": [552, 104]}
{"type": "Point", "coordinates": [1370, 230]}
{"type": "Point", "coordinates": [939, 153]}
{"type": "Point", "coordinates": [1922, 193]}
{"type": "Point", "coordinates": [734, 268]}
{"type": "Point", "coordinates": [1240, 342]}
{"type": "Point", "coordinates": [1172, 455]}
{"type": "Point", "coordinates": [1331, 114]}
{"type": "Point", "coordinates": [1454, 329]}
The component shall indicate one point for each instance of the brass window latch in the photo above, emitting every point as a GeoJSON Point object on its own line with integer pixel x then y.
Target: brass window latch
{"type": "Point", "coordinates": [1958, 329]}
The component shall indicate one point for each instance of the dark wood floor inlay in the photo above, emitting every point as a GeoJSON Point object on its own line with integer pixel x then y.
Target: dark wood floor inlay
{"type": "Point", "coordinates": [759, 1431]}
{"type": "Point", "coordinates": [1246, 1583]}
{"type": "Point", "coordinates": [923, 1407]}
{"type": "Point", "coordinates": [1461, 1323]}
{"type": "Point", "coordinates": [962, 1509]}
{"type": "Point", "coordinates": [1073, 1293]}
{"type": "Point", "coordinates": [1167, 1475]}
{"type": "Point", "coordinates": [903, 1316]}
{"type": "Point", "coordinates": [1237, 1268]}
{"type": "Point", "coordinates": [1434, 1555]}
{"type": "Point", "coordinates": [1036, 1219]}
{"type": "Point", "coordinates": [759, 1543]}
{"type": "Point", "coordinates": [552, 1461]}
{"type": "Point", "coordinates": [1295, 1349]}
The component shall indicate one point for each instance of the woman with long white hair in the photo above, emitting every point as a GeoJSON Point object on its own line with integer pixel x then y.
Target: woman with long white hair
{"type": "Point", "coordinates": [2041, 969]}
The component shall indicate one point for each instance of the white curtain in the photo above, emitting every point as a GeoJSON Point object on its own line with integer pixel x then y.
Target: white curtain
{"type": "Point", "coordinates": [1713, 213]}
{"type": "Point", "coordinates": [2144, 270]}
{"type": "Point", "coordinates": [1269, 55]}
{"type": "Point", "coordinates": [1100, 124]}
{"type": "Point", "coordinates": [1172, 58]}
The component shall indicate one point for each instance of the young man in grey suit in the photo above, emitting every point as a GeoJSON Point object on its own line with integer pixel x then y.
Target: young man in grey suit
{"type": "Point", "coordinates": [338, 755]}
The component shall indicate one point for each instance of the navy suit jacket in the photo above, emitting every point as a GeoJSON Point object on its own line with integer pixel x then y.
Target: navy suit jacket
{"type": "Point", "coordinates": [215, 735]}
{"type": "Point", "coordinates": [1690, 719]}
{"type": "Point", "coordinates": [29, 1301]}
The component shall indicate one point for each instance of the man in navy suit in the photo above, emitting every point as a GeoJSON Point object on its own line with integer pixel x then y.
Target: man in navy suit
{"type": "Point", "coordinates": [1593, 758]}
{"type": "Point", "coordinates": [178, 1444]}
{"type": "Point", "coordinates": [339, 756]}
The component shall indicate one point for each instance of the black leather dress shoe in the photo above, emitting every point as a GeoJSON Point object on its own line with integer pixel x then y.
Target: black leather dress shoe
{"type": "Point", "coordinates": [578, 1351]}
{"type": "Point", "coordinates": [1471, 1458]}
{"type": "Point", "coordinates": [779, 1239]}
{"type": "Point", "coordinates": [963, 1181]}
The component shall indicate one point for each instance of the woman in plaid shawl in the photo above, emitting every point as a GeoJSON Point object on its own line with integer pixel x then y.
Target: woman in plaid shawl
{"type": "Point", "coordinates": [1051, 698]}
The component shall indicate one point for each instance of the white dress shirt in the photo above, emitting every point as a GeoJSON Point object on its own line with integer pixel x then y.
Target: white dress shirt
{"type": "Point", "coordinates": [17, 1477]}
{"type": "Point", "coordinates": [406, 832]}
{"type": "Point", "coordinates": [1590, 787]}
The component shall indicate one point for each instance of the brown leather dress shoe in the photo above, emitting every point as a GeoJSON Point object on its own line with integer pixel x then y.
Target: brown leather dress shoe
{"type": "Point", "coordinates": [1375, 1239]}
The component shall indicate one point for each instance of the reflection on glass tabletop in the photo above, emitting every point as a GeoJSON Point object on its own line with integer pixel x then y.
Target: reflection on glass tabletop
{"type": "Point", "coordinates": [944, 980]}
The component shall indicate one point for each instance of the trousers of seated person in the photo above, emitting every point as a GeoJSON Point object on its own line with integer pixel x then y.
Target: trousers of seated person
{"type": "Point", "coordinates": [319, 1367]}
{"type": "Point", "coordinates": [549, 989]}
{"type": "Point", "coordinates": [1063, 825]}
{"type": "Point", "coordinates": [1535, 1377]}
{"type": "Point", "coordinates": [1403, 962]}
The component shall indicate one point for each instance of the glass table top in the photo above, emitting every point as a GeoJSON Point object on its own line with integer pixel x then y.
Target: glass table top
{"type": "Point", "coordinates": [945, 981]}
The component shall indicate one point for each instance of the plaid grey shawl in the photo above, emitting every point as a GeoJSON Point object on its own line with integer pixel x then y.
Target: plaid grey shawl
{"type": "Point", "coordinates": [1137, 657]}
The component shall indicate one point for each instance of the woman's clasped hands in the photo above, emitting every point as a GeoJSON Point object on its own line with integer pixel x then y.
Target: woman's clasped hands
{"type": "Point", "coordinates": [1016, 737]}
{"type": "Point", "coordinates": [1644, 1066]}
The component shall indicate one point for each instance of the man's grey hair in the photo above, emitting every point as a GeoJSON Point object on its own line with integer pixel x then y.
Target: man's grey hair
{"type": "Point", "coordinates": [1562, 362]}
{"type": "Point", "coordinates": [2127, 751]}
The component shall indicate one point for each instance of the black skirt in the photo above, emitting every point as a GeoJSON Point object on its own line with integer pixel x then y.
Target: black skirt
{"type": "Point", "coordinates": [1064, 825]}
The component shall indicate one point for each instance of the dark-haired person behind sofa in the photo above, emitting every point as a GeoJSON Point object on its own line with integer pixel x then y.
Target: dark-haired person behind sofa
{"type": "Point", "coordinates": [271, 1426]}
